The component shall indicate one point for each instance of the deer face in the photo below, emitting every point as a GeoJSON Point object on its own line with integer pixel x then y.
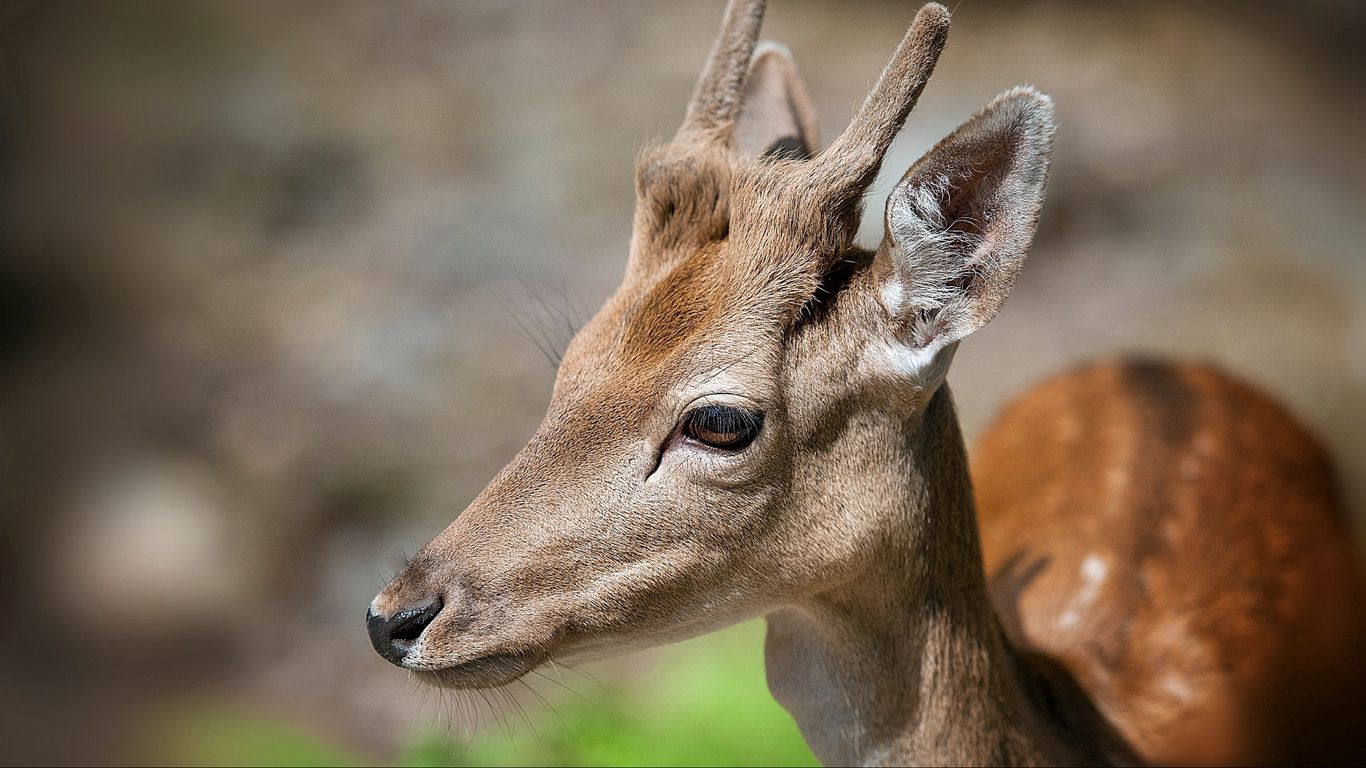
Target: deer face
{"type": "Point", "coordinates": [682, 478]}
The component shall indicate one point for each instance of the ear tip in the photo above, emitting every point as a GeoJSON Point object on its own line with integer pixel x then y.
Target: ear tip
{"type": "Point", "coordinates": [1029, 106]}
{"type": "Point", "coordinates": [1028, 93]}
{"type": "Point", "coordinates": [771, 48]}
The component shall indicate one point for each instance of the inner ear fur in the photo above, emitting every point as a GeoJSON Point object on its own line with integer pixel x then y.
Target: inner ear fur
{"type": "Point", "coordinates": [776, 118]}
{"type": "Point", "coordinates": [960, 221]}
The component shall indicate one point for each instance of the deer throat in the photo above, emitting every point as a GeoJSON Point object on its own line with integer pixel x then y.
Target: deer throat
{"type": "Point", "coordinates": [906, 662]}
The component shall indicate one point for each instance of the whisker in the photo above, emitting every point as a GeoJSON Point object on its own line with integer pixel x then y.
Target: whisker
{"type": "Point", "coordinates": [506, 693]}
{"type": "Point", "coordinates": [545, 702]}
{"type": "Point", "coordinates": [497, 711]}
{"type": "Point", "coordinates": [530, 335]}
{"type": "Point", "coordinates": [539, 674]}
{"type": "Point", "coordinates": [559, 320]}
{"type": "Point", "coordinates": [610, 698]}
{"type": "Point", "coordinates": [469, 715]}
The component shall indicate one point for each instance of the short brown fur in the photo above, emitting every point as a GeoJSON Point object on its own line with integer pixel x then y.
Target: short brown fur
{"type": "Point", "coordinates": [1227, 627]}
{"type": "Point", "coordinates": [1170, 576]}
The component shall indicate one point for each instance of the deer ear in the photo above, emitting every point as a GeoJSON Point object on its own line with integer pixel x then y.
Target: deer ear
{"type": "Point", "coordinates": [776, 118]}
{"type": "Point", "coordinates": [960, 221]}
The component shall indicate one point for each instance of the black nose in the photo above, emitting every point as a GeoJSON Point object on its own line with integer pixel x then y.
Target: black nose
{"type": "Point", "coordinates": [393, 637]}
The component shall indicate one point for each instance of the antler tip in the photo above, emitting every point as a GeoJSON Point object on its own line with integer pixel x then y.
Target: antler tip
{"type": "Point", "coordinates": [933, 18]}
{"type": "Point", "coordinates": [936, 9]}
{"type": "Point", "coordinates": [715, 98]}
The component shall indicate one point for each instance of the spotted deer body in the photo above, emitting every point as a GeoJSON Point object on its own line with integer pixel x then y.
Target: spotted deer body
{"type": "Point", "coordinates": [756, 424]}
{"type": "Point", "coordinates": [1174, 538]}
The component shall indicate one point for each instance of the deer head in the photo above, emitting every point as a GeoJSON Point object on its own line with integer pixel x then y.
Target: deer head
{"type": "Point", "coordinates": [720, 432]}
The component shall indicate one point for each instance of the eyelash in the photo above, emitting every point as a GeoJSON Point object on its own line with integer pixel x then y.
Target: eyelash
{"type": "Point", "coordinates": [710, 422]}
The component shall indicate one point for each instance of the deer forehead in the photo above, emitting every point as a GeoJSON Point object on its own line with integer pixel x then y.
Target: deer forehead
{"type": "Point", "coordinates": [720, 256]}
{"type": "Point", "coordinates": [700, 312]}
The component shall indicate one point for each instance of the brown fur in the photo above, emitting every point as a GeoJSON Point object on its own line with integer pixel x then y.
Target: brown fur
{"type": "Point", "coordinates": [1228, 625]}
{"type": "Point", "coordinates": [850, 520]}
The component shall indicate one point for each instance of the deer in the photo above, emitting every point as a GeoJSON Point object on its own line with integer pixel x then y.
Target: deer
{"type": "Point", "coordinates": [1152, 566]}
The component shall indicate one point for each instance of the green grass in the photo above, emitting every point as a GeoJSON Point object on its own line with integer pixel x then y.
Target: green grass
{"type": "Point", "coordinates": [222, 736]}
{"type": "Point", "coordinates": [704, 703]}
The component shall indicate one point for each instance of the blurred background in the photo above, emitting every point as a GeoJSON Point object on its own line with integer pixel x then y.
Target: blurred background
{"type": "Point", "coordinates": [277, 282]}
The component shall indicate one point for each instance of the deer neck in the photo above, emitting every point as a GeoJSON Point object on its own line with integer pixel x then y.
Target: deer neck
{"type": "Point", "coordinates": [906, 662]}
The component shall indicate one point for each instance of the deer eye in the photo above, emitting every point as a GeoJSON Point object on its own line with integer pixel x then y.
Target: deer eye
{"type": "Point", "coordinates": [722, 426]}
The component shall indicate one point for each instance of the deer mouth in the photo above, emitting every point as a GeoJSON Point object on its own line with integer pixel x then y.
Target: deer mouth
{"type": "Point", "coordinates": [491, 671]}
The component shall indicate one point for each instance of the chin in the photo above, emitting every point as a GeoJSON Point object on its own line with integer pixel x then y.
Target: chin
{"type": "Point", "coordinates": [490, 671]}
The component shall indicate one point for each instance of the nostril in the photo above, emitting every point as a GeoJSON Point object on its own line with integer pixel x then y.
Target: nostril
{"type": "Point", "coordinates": [407, 625]}
{"type": "Point", "coordinates": [393, 637]}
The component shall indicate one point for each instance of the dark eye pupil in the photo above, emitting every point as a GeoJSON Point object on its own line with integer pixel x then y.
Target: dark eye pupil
{"type": "Point", "coordinates": [723, 426]}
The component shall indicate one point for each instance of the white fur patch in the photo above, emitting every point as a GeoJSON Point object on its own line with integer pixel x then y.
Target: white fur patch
{"type": "Point", "coordinates": [921, 367]}
{"type": "Point", "coordinates": [931, 258]}
{"type": "Point", "coordinates": [894, 296]}
{"type": "Point", "coordinates": [1094, 569]}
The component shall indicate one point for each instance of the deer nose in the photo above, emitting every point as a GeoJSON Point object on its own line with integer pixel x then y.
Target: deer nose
{"type": "Point", "coordinates": [393, 637]}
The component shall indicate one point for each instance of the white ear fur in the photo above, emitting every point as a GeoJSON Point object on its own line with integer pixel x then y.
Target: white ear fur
{"type": "Point", "coordinates": [959, 225]}
{"type": "Point", "coordinates": [776, 117]}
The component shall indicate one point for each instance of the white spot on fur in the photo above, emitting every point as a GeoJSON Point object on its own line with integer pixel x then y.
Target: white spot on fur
{"type": "Point", "coordinates": [894, 296]}
{"type": "Point", "coordinates": [1177, 688]}
{"type": "Point", "coordinates": [920, 369]}
{"type": "Point", "coordinates": [1093, 569]}
{"type": "Point", "coordinates": [1093, 572]}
